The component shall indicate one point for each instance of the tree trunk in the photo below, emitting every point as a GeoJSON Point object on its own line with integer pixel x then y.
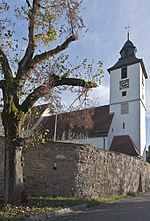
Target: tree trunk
{"type": "Point", "coordinates": [13, 173]}
{"type": "Point", "coordinates": [14, 183]}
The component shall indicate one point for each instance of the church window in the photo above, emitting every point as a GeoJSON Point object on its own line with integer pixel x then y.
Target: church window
{"type": "Point", "coordinates": [125, 108]}
{"type": "Point", "coordinates": [124, 93]}
{"type": "Point", "coordinates": [123, 125]}
{"type": "Point", "coordinates": [123, 72]}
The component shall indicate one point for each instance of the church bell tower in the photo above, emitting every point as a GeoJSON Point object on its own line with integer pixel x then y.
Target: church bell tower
{"type": "Point", "coordinates": [127, 133]}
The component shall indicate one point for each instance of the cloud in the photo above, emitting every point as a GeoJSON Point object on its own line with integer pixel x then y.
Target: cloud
{"type": "Point", "coordinates": [101, 94]}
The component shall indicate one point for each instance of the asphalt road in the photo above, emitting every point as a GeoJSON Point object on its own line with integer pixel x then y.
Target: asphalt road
{"type": "Point", "coordinates": [132, 209]}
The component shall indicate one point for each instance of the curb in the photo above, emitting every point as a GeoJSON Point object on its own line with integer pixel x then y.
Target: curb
{"type": "Point", "coordinates": [46, 216]}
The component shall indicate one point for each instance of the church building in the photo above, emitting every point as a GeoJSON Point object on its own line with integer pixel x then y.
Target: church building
{"type": "Point", "coordinates": [119, 126]}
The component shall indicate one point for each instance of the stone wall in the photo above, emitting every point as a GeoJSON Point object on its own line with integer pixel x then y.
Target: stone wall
{"type": "Point", "coordinates": [52, 169]}
{"type": "Point", "coordinates": [81, 170]}
{"type": "Point", "coordinates": [106, 173]}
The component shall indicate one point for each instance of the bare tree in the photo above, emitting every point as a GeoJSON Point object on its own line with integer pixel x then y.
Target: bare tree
{"type": "Point", "coordinates": [32, 67]}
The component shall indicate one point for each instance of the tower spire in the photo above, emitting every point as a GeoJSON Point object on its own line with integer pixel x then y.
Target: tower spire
{"type": "Point", "coordinates": [128, 27]}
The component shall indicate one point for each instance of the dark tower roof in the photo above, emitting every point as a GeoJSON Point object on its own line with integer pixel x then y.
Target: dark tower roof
{"type": "Point", "coordinates": [128, 50]}
{"type": "Point", "coordinates": [128, 57]}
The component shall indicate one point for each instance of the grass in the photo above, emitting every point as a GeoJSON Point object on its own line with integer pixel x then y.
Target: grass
{"type": "Point", "coordinates": [41, 204]}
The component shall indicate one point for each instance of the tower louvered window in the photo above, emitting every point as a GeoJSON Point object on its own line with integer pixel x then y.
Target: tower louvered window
{"type": "Point", "coordinates": [123, 72]}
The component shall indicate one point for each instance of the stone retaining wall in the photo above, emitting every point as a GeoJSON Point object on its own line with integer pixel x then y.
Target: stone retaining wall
{"type": "Point", "coordinates": [44, 176]}
{"type": "Point", "coordinates": [80, 170]}
{"type": "Point", "coordinates": [106, 173]}
{"type": "Point", "coordinates": [83, 171]}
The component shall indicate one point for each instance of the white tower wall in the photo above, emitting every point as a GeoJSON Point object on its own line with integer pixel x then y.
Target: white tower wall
{"type": "Point", "coordinates": [129, 111]}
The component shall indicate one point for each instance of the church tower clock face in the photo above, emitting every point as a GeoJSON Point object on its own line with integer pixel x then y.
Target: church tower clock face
{"type": "Point", "coordinates": [124, 84]}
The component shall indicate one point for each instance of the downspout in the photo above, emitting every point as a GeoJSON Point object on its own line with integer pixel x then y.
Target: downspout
{"type": "Point", "coordinates": [55, 129]}
{"type": "Point", "coordinates": [103, 143]}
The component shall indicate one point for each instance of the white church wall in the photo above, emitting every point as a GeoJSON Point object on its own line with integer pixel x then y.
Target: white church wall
{"type": "Point", "coordinates": [126, 124]}
{"type": "Point", "coordinates": [143, 131]}
{"type": "Point", "coordinates": [133, 122]}
{"type": "Point", "coordinates": [99, 142]}
{"type": "Point", "coordinates": [46, 113]}
{"type": "Point", "coordinates": [142, 114]}
{"type": "Point", "coordinates": [139, 93]}
{"type": "Point", "coordinates": [134, 82]}
{"type": "Point", "coordinates": [142, 87]}
{"type": "Point", "coordinates": [114, 87]}
{"type": "Point", "coordinates": [133, 91]}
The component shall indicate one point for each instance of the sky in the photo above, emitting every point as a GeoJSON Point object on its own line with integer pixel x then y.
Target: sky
{"type": "Point", "coordinates": [106, 20]}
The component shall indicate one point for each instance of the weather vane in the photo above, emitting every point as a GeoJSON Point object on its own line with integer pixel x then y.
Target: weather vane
{"type": "Point", "coordinates": [128, 27]}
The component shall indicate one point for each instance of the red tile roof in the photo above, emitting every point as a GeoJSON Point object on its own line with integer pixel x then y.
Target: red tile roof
{"type": "Point", "coordinates": [124, 144]}
{"type": "Point", "coordinates": [92, 122]}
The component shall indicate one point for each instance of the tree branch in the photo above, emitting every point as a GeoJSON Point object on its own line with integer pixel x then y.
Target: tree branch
{"type": "Point", "coordinates": [33, 97]}
{"type": "Point", "coordinates": [24, 64]}
{"type": "Point", "coordinates": [41, 57]}
{"type": "Point", "coordinates": [6, 70]}
{"type": "Point", "coordinates": [31, 44]}
{"type": "Point", "coordinates": [28, 3]}
{"type": "Point", "coordinates": [56, 81]}
{"type": "Point", "coordinates": [27, 63]}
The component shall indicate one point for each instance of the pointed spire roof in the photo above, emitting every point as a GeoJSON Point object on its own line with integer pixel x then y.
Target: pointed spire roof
{"type": "Point", "coordinates": [128, 57]}
{"type": "Point", "coordinates": [128, 50]}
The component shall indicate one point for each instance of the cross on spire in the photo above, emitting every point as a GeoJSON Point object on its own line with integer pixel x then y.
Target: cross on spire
{"type": "Point", "coordinates": [128, 27]}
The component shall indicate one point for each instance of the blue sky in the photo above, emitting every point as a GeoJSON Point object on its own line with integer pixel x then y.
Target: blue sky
{"type": "Point", "coordinates": [106, 20]}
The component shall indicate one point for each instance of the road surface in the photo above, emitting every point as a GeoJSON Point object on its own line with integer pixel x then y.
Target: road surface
{"type": "Point", "coordinates": [132, 209]}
